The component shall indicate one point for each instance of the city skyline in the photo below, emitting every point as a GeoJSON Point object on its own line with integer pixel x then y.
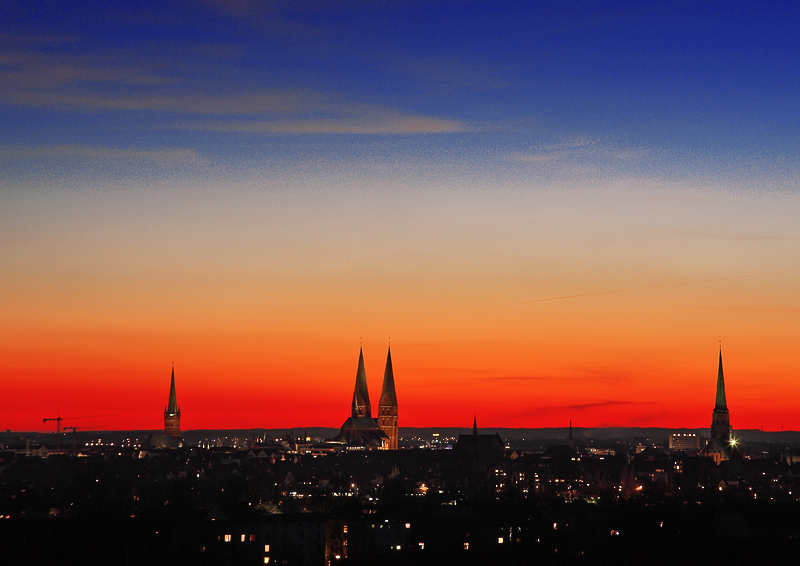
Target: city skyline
{"type": "Point", "coordinates": [555, 212]}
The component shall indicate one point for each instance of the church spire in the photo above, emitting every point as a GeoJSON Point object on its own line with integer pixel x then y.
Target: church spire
{"type": "Point", "coordinates": [387, 407]}
{"type": "Point", "coordinates": [475, 424]}
{"type": "Point", "coordinates": [720, 417]}
{"type": "Point", "coordinates": [361, 406]}
{"type": "Point", "coordinates": [721, 404]}
{"type": "Point", "coordinates": [388, 393]}
{"type": "Point", "coordinates": [172, 414]}
{"type": "Point", "coordinates": [172, 407]}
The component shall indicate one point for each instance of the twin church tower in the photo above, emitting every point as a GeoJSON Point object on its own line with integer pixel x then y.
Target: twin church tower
{"type": "Point", "coordinates": [359, 430]}
{"type": "Point", "coordinates": [363, 430]}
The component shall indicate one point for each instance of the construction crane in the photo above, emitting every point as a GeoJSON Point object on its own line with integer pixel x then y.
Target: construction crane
{"type": "Point", "coordinates": [58, 420]}
{"type": "Point", "coordinates": [73, 429]}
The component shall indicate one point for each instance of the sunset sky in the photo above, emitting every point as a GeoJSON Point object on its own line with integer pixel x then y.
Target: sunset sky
{"type": "Point", "coordinates": [556, 210]}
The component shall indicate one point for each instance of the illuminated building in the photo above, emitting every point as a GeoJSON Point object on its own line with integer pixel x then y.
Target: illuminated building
{"type": "Point", "coordinates": [719, 445]}
{"type": "Point", "coordinates": [361, 429]}
{"type": "Point", "coordinates": [684, 441]}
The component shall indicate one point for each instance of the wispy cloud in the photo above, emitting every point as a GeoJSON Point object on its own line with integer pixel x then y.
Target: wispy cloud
{"type": "Point", "coordinates": [386, 124]}
{"type": "Point", "coordinates": [68, 82]}
{"type": "Point", "coordinates": [217, 105]}
{"type": "Point", "coordinates": [604, 404]}
{"type": "Point", "coordinates": [20, 38]}
{"type": "Point", "coordinates": [578, 407]}
{"type": "Point", "coordinates": [576, 148]}
{"type": "Point", "coordinates": [172, 155]}
{"type": "Point", "coordinates": [28, 72]}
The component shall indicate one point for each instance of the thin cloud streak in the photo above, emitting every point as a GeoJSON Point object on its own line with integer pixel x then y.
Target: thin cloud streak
{"type": "Point", "coordinates": [381, 125]}
{"type": "Point", "coordinates": [173, 155]}
{"type": "Point", "coordinates": [653, 287]}
{"type": "Point", "coordinates": [537, 411]}
{"type": "Point", "coordinates": [277, 102]}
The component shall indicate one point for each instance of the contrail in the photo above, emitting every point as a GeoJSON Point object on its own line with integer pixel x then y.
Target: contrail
{"type": "Point", "coordinates": [653, 287]}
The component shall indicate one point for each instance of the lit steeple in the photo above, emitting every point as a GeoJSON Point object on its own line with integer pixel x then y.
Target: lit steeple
{"type": "Point", "coordinates": [361, 406]}
{"type": "Point", "coordinates": [172, 412]}
{"type": "Point", "coordinates": [388, 394]}
{"type": "Point", "coordinates": [720, 418]}
{"type": "Point", "coordinates": [387, 407]}
{"type": "Point", "coordinates": [172, 408]}
{"type": "Point", "coordinates": [721, 404]}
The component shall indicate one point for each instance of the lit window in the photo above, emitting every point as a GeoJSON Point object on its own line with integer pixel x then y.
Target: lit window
{"type": "Point", "coordinates": [266, 548]}
{"type": "Point", "coordinates": [398, 547]}
{"type": "Point", "coordinates": [243, 538]}
{"type": "Point", "coordinates": [252, 538]}
{"type": "Point", "coordinates": [422, 546]}
{"type": "Point", "coordinates": [227, 538]}
{"type": "Point", "coordinates": [344, 529]}
{"type": "Point", "coordinates": [466, 546]}
{"type": "Point", "coordinates": [266, 560]}
{"type": "Point", "coordinates": [408, 525]}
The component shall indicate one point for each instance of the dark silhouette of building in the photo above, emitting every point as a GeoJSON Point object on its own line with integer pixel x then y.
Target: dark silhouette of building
{"type": "Point", "coordinates": [479, 443]}
{"type": "Point", "coordinates": [170, 438]}
{"type": "Point", "coordinates": [172, 413]}
{"type": "Point", "coordinates": [361, 429]}
{"type": "Point", "coordinates": [720, 444]}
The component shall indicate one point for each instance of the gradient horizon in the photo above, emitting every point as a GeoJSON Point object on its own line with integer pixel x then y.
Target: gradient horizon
{"type": "Point", "coordinates": [555, 212]}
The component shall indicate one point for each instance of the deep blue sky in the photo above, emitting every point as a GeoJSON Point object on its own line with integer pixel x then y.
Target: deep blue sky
{"type": "Point", "coordinates": [690, 76]}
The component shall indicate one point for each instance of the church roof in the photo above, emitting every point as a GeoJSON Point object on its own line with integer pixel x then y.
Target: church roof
{"type": "Point", "coordinates": [361, 422]}
{"type": "Point", "coordinates": [388, 393]}
{"type": "Point", "coordinates": [721, 404]}
{"type": "Point", "coordinates": [715, 445]}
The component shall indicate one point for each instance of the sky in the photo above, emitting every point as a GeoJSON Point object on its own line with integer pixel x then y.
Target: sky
{"type": "Point", "coordinates": [553, 211]}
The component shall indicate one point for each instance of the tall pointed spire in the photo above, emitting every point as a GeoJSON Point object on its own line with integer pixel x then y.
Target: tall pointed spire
{"type": "Point", "coordinates": [388, 393]}
{"type": "Point", "coordinates": [172, 407]}
{"type": "Point", "coordinates": [720, 418]}
{"type": "Point", "coordinates": [361, 406]}
{"type": "Point", "coordinates": [721, 404]}
{"type": "Point", "coordinates": [475, 423]}
{"type": "Point", "coordinates": [387, 406]}
{"type": "Point", "coordinates": [172, 413]}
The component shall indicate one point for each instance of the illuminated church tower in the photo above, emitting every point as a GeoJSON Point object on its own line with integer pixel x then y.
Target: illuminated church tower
{"type": "Point", "coordinates": [172, 413]}
{"type": "Point", "coordinates": [721, 444]}
{"type": "Point", "coordinates": [361, 406]}
{"type": "Point", "coordinates": [387, 408]}
{"type": "Point", "coordinates": [720, 418]}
